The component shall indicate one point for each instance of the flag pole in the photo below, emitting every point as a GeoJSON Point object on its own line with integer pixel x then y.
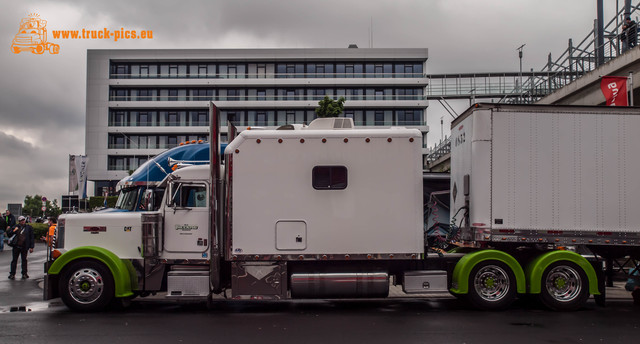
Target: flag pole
{"type": "Point", "coordinates": [630, 88]}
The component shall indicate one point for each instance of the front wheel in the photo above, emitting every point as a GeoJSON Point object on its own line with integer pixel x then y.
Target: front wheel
{"type": "Point", "coordinates": [565, 287]}
{"type": "Point", "coordinates": [492, 286]}
{"type": "Point", "coordinates": [86, 286]}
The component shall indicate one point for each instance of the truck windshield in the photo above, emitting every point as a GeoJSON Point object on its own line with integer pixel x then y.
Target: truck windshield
{"type": "Point", "coordinates": [128, 199]}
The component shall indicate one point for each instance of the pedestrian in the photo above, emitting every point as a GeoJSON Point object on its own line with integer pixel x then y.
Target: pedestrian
{"type": "Point", "coordinates": [3, 228]}
{"type": "Point", "coordinates": [51, 232]}
{"type": "Point", "coordinates": [623, 38]}
{"type": "Point", "coordinates": [24, 242]}
{"type": "Point", "coordinates": [9, 219]}
{"type": "Point", "coordinates": [631, 31]}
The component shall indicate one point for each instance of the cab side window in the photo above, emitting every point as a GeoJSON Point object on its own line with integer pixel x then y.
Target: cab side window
{"type": "Point", "coordinates": [189, 195]}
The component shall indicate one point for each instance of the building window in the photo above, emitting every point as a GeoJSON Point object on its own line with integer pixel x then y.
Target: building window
{"type": "Point", "coordinates": [118, 119]}
{"type": "Point", "coordinates": [409, 117]}
{"type": "Point", "coordinates": [146, 95]}
{"type": "Point", "coordinates": [290, 117]}
{"type": "Point", "coordinates": [144, 120]}
{"type": "Point", "coordinates": [232, 71]}
{"type": "Point", "coordinates": [173, 71]}
{"type": "Point", "coordinates": [262, 71]}
{"type": "Point", "coordinates": [261, 118]}
{"type": "Point", "coordinates": [262, 94]}
{"type": "Point", "coordinates": [172, 119]}
{"type": "Point", "coordinates": [201, 94]}
{"type": "Point", "coordinates": [173, 95]}
{"type": "Point", "coordinates": [379, 118]}
{"type": "Point", "coordinates": [120, 95]}
{"type": "Point", "coordinates": [329, 177]}
{"type": "Point", "coordinates": [202, 71]}
{"type": "Point", "coordinates": [199, 118]}
{"type": "Point", "coordinates": [233, 95]}
{"type": "Point", "coordinates": [120, 71]}
{"type": "Point", "coordinates": [349, 71]}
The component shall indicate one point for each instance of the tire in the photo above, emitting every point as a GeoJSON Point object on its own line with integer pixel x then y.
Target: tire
{"type": "Point", "coordinates": [39, 49]}
{"type": "Point", "coordinates": [492, 286]}
{"type": "Point", "coordinates": [565, 287]}
{"type": "Point", "coordinates": [15, 49]}
{"type": "Point", "coordinates": [86, 286]}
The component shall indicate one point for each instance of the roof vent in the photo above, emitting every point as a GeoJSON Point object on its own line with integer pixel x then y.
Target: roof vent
{"type": "Point", "coordinates": [331, 123]}
{"type": "Point", "coordinates": [353, 46]}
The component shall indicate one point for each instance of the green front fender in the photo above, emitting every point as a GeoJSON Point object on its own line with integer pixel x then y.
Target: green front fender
{"type": "Point", "coordinates": [120, 269]}
{"type": "Point", "coordinates": [462, 270]}
{"type": "Point", "coordinates": [536, 267]}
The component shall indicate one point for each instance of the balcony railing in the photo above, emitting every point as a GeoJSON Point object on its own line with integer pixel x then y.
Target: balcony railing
{"type": "Point", "coordinates": [266, 98]}
{"type": "Point", "coordinates": [267, 76]}
{"type": "Point", "coordinates": [267, 123]}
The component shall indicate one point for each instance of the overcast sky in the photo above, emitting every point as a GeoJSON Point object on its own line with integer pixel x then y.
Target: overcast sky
{"type": "Point", "coordinates": [42, 103]}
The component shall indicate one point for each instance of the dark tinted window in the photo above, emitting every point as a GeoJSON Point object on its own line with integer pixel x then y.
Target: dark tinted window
{"type": "Point", "coordinates": [329, 177]}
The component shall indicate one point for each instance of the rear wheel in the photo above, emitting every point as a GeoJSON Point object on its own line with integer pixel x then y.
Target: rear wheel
{"type": "Point", "coordinates": [86, 286]}
{"type": "Point", "coordinates": [492, 286]}
{"type": "Point", "coordinates": [565, 286]}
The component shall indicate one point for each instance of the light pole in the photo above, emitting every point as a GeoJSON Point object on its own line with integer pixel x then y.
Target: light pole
{"type": "Point", "coordinates": [519, 49]}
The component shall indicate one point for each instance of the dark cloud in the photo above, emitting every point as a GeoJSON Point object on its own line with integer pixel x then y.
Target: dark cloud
{"type": "Point", "coordinates": [42, 103]}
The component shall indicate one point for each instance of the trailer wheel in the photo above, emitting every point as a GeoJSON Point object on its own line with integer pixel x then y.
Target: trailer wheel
{"type": "Point", "coordinates": [492, 286]}
{"type": "Point", "coordinates": [86, 286]}
{"type": "Point", "coordinates": [564, 287]}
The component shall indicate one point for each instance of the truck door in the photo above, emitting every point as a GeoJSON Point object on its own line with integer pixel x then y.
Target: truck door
{"type": "Point", "coordinates": [186, 225]}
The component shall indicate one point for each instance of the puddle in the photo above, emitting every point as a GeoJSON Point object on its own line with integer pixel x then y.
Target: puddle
{"type": "Point", "coordinates": [30, 307]}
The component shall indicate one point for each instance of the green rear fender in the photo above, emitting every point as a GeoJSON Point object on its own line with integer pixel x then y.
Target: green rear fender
{"type": "Point", "coordinates": [536, 267]}
{"type": "Point", "coordinates": [462, 270]}
{"type": "Point", "coordinates": [120, 269]}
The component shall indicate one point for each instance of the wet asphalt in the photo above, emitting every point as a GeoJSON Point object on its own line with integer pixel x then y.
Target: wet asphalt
{"type": "Point", "coordinates": [25, 318]}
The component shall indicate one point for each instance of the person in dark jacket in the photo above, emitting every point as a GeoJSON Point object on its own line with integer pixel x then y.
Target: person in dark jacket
{"type": "Point", "coordinates": [9, 219]}
{"type": "Point", "coordinates": [631, 31]}
{"type": "Point", "coordinates": [9, 222]}
{"type": "Point", "coordinates": [3, 228]}
{"type": "Point", "coordinates": [25, 242]}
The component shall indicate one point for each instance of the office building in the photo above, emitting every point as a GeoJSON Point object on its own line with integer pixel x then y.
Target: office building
{"type": "Point", "coordinates": [141, 102]}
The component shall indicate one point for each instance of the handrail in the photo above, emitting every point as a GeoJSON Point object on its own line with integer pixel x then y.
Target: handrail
{"type": "Point", "coordinates": [575, 61]}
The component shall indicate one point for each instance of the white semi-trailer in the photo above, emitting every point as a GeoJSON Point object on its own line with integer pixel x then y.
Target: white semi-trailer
{"type": "Point", "coordinates": [329, 211]}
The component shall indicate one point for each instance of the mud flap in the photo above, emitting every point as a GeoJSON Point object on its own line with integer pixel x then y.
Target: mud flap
{"type": "Point", "coordinates": [600, 299]}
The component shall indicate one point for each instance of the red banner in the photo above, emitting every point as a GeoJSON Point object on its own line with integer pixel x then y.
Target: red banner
{"type": "Point", "coordinates": [614, 89]}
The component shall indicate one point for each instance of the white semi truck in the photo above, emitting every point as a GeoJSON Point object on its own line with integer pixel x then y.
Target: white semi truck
{"type": "Point", "coordinates": [329, 211]}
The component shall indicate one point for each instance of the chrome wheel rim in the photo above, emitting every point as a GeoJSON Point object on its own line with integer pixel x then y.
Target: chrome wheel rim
{"type": "Point", "coordinates": [86, 286]}
{"type": "Point", "coordinates": [491, 283]}
{"type": "Point", "coordinates": [563, 283]}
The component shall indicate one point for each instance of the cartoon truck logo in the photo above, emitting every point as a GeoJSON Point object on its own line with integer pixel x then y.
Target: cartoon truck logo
{"type": "Point", "coordinates": [32, 36]}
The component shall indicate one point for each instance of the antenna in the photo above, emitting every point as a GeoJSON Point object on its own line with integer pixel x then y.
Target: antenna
{"type": "Point", "coordinates": [370, 32]}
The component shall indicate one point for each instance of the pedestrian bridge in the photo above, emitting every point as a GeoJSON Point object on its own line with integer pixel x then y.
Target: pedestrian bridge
{"type": "Point", "coordinates": [571, 79]}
